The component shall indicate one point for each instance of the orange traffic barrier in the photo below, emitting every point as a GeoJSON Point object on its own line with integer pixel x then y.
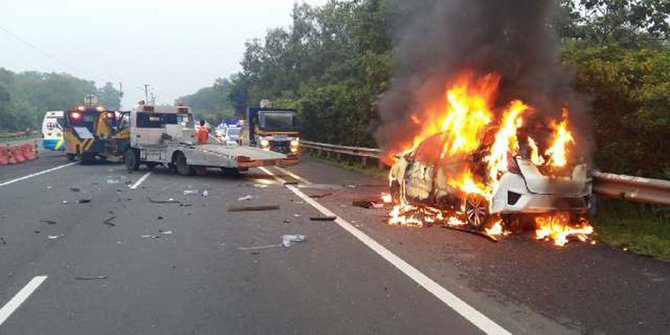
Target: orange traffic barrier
{"type": "Point", "coordinates": [18, 154]}
{"type": "Point", "coordinates": [28, 153]}
{"type": "Point", "coordinates": [4, 156]}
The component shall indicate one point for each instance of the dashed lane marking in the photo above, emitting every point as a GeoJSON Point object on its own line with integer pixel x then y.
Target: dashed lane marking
{"type": "Point", "coordinates": [35, 174]}
{"type": "Point", "coordinates": [478, 319]}
{"type": "Point", "coordinates": [20, 298]}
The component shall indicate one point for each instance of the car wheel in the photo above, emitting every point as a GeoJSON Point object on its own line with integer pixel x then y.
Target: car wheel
{"type": "Point", "coordinates": [477, 211]}
{"type": "Point", "coordinates": [132, 160]}
{"type": "Point", "coordinates": [181, 166]}
{"type": "Point", "coordinates": [512, 223]}
{"type": "Point", "coordinates": [87, 159]}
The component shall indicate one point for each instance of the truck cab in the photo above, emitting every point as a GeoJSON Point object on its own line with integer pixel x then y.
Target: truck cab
{"type": "Point", "coordinates": [92, 131]}
{"type": "Point", "coordinates": [271, 129]}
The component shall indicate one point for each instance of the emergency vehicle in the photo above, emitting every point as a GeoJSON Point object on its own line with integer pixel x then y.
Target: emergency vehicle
{"type": "Point", "coordinates": [165, 135]}
{"type": "Point", "coordinates": [52, 130]}
{"type": "Point", "coordinates": [91, 131]}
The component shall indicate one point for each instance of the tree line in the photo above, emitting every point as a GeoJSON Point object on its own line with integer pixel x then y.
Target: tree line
{"type": "Point", "coordinates": [334, 61]}
{"type": "Point", "coordinates": [25, 96]}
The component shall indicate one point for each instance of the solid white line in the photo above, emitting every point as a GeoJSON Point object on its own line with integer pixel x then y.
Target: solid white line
{"type": "Point", "coordinates": [478, 319]}
{"type": "Point", "coordinates": [35, 174]}
{"type": "Point", "coordinates": [20, 297]}
{"type": "Point", "coordinates": [140, 181]}
{"type": "Point", "coordinates": [307, 182]}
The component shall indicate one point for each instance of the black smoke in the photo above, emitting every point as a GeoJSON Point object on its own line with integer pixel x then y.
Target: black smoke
{"type": "Point", "coordinates": [434, 40]}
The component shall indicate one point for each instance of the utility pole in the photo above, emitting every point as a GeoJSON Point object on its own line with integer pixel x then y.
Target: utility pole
{"type": "Point", "coordinates": [153, 99]}
{"type": "Point", "coordinates": [120, 96]}
{"type": "Point", "coordinates": [146, 93]}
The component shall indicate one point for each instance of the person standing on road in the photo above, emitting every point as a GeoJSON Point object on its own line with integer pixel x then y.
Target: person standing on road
{"type": "Point", "coordinates": [203, 133]}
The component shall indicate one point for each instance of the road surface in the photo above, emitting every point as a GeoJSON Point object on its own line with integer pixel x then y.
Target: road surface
{"type": "Point", "coordinates": [125, 263]}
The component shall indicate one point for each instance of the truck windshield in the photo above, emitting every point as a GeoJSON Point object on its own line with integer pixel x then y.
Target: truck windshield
{"type": "Point", "coordinates": [83, 119]}
{"type": "Point", "coordinates": [277, 121]}
{"type": "Point", "coordinates": [155, 120]}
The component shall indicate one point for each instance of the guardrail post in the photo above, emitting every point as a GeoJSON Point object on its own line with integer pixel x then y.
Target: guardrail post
{"type": "Point", "coordinates": [364, 161]}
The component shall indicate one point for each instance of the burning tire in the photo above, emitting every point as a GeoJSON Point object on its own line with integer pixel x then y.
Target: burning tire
{"type": "Point", "coordinates": [477, 211]}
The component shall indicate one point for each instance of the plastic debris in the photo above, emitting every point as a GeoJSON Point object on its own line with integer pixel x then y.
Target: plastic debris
{"type": "Point", "coordinates": [260, 247]}
{"type": "Point", "coordinates": [245, 198]}
{"type": "Point", "coordinates": [323, 218]}
{"type": "Point", "coordinates": [83, 201]}
{"type": "Point", "coordinates": [48, 221]}
{"type": "Point", "coordinates": [65, 201]}
{"type": "Point", "coordinates": [53, 237]}
{"type": "Point", "coordinates": [109, 221]}
{"type": "Point", "coordinates": [290, 183]}
{"type": "Point", "coordinates": [287, 240]}
{"type": "Point", "coordinates": [112, 181]}
{"type": "Point", "coordinates": [2, 240]}
{"type": "Point", "coordinates": [167, 232]}
{"type": "Point", "coordinates": [191, 192]}
{"type": "Point", "coordinates": [322, 195]}
{"type": "Point", "coordinates": [75, 189]}
{"type": "Point", "coordinates": [92, 277]}
{"type": "Point", "coordinates": [205, 193]}
{"type": "Point", "coordinates": [260, 185]}
{"type": "Point", "coordinates": [253, 208]}
{"type": "Point", "coordinates": [296, 215]}
{"type": "Point", "coordinates": [168, 201]}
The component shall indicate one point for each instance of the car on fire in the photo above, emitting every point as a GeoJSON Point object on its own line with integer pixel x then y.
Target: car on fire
{"type": "Point", "coordinates": [424, 178]}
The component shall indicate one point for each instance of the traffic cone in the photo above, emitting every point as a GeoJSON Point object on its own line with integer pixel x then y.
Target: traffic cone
{"type": "Point", "coordinates": [28, 152]}
{"type": "Point", "coordinates": [10, 156]}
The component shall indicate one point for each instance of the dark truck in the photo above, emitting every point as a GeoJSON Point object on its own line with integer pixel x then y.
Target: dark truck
{"type": "Point", "coordinates": [272, 129]}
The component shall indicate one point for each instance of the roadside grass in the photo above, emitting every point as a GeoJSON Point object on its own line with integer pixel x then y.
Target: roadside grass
{"type": "Point", "coordinates": [351, 166]}
{"type": "Point", "coordinates": [643, 229]}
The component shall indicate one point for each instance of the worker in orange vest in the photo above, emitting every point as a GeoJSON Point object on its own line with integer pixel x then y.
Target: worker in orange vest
{"type": "Point", "coordinates": [203, 133]}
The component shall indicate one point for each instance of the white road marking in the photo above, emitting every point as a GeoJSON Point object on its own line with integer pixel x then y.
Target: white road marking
{"type": "Point", "coordinates": [35, 174]}
{"type": "Point", "coordinates": [140, 181]}
{"type": "Point", "coordinates": [478, 319]}
{"type": "Point", "coordinates": [20, 297]}
{"type": "Point", "coordinates": [307, 182]}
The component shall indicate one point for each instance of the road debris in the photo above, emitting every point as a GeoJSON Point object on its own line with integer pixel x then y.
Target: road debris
{"type": "Point", "coordinates": [205, 193]}
{"type": "Point", "coordinates": [322, 195]}
{"type": "Point", "coordinates": [112, 181]}
{"type": "Point", "coordinates": [75, 189]}
{"type": "Point", "coordinates": [297, 201]}
{"type": "Point", "coordinates": [168, 201]}
{"type": "Point", "coordinates": [159, 218]}
{"type": "Point", "coordinates": [191, 192]}
{"type": "Point", "coordinates": [2, 240]}
{"type": "Point", "coordinates": [83, 201]}
{"type": "Point", "coordinates": [253, 208]}
{"type": "Point", "coordinates": [260, 247]}
{"type": "Point", "coordinates": [472, 231]}
{"type": "Point", "coordinates": [287, 221]}
{"type": "Point", "coordinates": [290, 183]}
{"type": "Point", "coordinates": [48, 222]}
{"type": "Point", "coordinates": [260, 185]}
{"type": "Point", "coordinates": [109, 221]}
{"type": "Point", "coordinates": [92, 277]}
{"type": "Point", "coordinates": [287, 240]}
{"type": "Point", "coordinates": [245, 198]}
{"type": "Point", "coordinates": [53, 237]}
{"type": "Point", "coordinates": [296, 215]}
{"type": "Point", "coordinates": [323, 218]}
{"type": "Point", "coordinates": [364, 203]}
{"type": "Point", "coordinates": [161, 233]}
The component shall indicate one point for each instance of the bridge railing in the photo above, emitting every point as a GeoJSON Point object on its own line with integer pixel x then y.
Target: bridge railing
{"type": "Point", "coordinates": [637, 189]}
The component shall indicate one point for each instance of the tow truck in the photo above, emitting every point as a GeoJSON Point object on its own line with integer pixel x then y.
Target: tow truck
{"type": "Point", "coordinates": [91, 131]}
{"type": "Point", "coordinates": [165, 135]}
{"type": "Point", "coordinates": [271, 129]}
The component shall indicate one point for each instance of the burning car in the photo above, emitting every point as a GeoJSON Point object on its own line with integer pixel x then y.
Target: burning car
{"type": "Point", "coordinates": [484, 166]}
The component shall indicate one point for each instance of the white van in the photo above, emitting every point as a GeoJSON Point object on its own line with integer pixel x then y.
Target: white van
{"type": "Point", "coordinates": [52, 130]}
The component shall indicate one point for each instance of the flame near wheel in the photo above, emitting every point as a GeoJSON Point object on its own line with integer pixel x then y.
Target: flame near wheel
{"type": "Point", "coordinates": [477, 211]}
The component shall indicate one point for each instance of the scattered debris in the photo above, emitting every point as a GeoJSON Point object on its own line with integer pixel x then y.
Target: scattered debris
{"type": "Point", "coordinates": [472, 231]}
{"type": "Point", "coordinates": [2, 240]}
{"type": "Point", "coordinates": [260, 247]}
{"type": "Point", "coordinates": [245, 198]}
{"type": "Point", "coordinates": [253, 208]}
{"type": "Point", "coordinates": [168, 201]}
{"type": "Point", "coordinates": [36, 231]}
{"type": "Point", "coordinates": [53, 237]}
{"type": "Point", "coordinates": [91, 278]}
{"type": "Point", "coordinates": [287, 240]}
{"type": "Point", "coordinates": [322, 195]}
{"type": "Point", "coordinates": [167, 232]}
{"type": "Point", "coordinates": [159, 218]}
{"type": "Point", "coordinates": [191, 192]}
{"type": "Point", "coordinates": [83, 201]}
{"type": "Point", "coordinates": [260, 185]}
{"type": "Point", "coordinates": [290, 183]}
{"type": "Point", "coordinates": [65, 201]}
{"type": "Point", "coordinates": [75, 189]}
{"type": "Point", "coordinates": [287, 221]}
{"type": "Point", "coordinates": [48, 221]}
{"type": "Point", "coordinates": [205, 193]}
{"type": "Point", "coordinates": [323, 218]}
{"type": "Point", "coordinates": [109, 221]}
{"type": "Point", "coordinates": [185, 205]}
{"type": "Point", "coordinates": [297, 201]}
{"type": "Point", "coordinates": [112, 181]}
{"type": "Point", "coordinates": [365, 203]}
{"type": "Point", "coordinates": [296, 215]}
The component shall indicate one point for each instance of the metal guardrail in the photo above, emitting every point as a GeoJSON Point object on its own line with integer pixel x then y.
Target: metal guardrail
{"type": "Point", "coordinates": [637, 189]}
{"type": "Point", "coordinates": [16, 134]}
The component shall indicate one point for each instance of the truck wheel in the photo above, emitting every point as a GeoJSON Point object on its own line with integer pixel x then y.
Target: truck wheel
{"type": "Point", "coordinates": [230, 172]}
{"type": "Point", "coordinates": [87, 158]}
{"type": "Point", "coordinates": [477, 211]}
{"type": "Point", "coordinates": [151, 166]}
{"type": "Point", "coordinates": [181, 166]}
{"type": "Point", "coordinates": [71, 157]}
{"type": "Point", "coordinates": [132, 160]}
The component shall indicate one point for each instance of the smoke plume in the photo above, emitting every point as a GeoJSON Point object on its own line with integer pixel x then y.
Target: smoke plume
{"type": "Point", "coordinates": [436, 39]}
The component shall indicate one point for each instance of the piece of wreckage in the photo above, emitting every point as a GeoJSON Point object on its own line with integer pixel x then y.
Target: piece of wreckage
{"type": "Point", "coordinates": [493, 178]}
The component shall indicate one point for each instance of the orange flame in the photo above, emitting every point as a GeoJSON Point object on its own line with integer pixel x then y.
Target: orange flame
{"type": "Point", "coordinates": [557, 152]}
{"type": "Point", "coordinates": [558, 228]}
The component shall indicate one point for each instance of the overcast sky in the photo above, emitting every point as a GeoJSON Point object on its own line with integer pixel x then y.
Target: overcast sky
{"type": "Point", "coordinates": [175, 46]}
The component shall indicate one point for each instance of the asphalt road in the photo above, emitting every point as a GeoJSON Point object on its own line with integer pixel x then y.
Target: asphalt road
{"type": "Point", "coordinates": [124, 263]}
